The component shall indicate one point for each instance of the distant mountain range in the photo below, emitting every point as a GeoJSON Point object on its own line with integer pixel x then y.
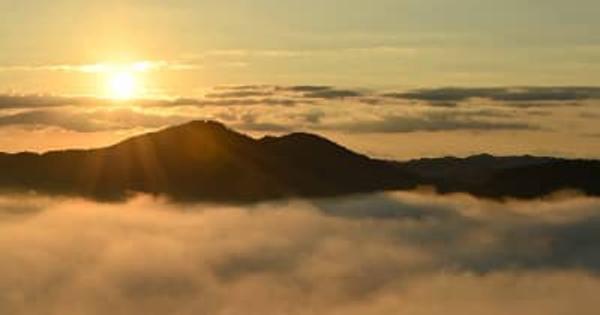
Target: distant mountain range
{"type": "Point", "coordinates": [523, 177]}
{"type": "Point", "coordinates": [204, 160]}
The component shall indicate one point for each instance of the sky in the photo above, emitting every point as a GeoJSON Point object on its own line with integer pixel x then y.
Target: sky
{"type": "Point", "coordinates": [379, 43]}
{"type": "Point", "coordinates": [71, 55]}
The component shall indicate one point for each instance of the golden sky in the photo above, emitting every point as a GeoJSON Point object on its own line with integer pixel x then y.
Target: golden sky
{"type": "Point", "coordinates": [89, 73]}
{"type": "Point", "coordinates": [385, 43]}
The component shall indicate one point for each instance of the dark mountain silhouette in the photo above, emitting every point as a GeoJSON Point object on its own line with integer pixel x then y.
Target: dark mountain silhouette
{"type": "Point", "coordinates": [204, 160]}
{"type": "Point", "coordinates": [515, 176]}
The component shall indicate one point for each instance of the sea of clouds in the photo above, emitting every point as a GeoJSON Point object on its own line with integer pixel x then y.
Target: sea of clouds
{"type": "Point", "coordinates": [388, 253]}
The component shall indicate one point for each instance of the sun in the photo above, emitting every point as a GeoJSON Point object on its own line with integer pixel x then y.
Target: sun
{"type": "Point", "coordinates": [122, 85]}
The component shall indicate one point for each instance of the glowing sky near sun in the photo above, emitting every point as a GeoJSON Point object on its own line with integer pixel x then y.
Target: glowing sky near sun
{"type": "Point", "coordinates": [382, 43]}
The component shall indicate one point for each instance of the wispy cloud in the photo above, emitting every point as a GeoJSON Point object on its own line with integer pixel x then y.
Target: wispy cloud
{"type": "Point", "coordinates": [136, 66]}
{"type": "Point", "coordinates": [92, 120]}
{"type": "Point", "coordinates": [430, 121]}
{"type": "Point", "coordinates": [314, 107]}
{"type": "Point", "coordinates": [296, 53]}
{"type": "Point", "coordinates": [516, 94]}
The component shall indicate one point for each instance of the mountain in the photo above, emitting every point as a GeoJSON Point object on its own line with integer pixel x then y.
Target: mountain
{"type": "Point", "coordinates": [205, 160]}
{"type": "Point", "coordinates": [513, 176]}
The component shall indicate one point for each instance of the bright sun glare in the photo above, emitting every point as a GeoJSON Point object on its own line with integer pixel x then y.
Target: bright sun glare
{"type": "Point", "coordinates": [122, 85]}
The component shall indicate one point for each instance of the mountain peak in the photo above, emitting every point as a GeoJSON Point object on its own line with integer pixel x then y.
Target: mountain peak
{"type": "Point", "coordinates": [199, 130]}
{"type": "Point", "coordinates": [296, 137]}
{"type": "Point", "coordinates": [204, 123]}
{"type": "Point", "coordinates": [302, 144]}
{"type": "Point", "coordinates": [201, 125]}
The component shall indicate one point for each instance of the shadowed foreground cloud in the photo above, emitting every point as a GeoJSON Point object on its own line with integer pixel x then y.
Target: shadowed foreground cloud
{"type": "Point", "coordinates": [378, 254]}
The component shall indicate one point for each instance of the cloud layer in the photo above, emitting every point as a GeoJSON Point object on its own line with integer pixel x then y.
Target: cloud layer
{"type": "Point", "coordinates": [376, 254]}
{"type": "Point", "coordinates": [525, 94]}
{"type": "Point", "coordinates": [316, 107]}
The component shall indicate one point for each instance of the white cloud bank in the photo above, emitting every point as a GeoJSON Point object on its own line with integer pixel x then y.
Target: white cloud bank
{"type": "Point", "coordinates": [397, 253]}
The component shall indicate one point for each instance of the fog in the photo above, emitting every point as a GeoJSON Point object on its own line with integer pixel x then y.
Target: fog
{"type": "Point", "coordinates": [389, 253]}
